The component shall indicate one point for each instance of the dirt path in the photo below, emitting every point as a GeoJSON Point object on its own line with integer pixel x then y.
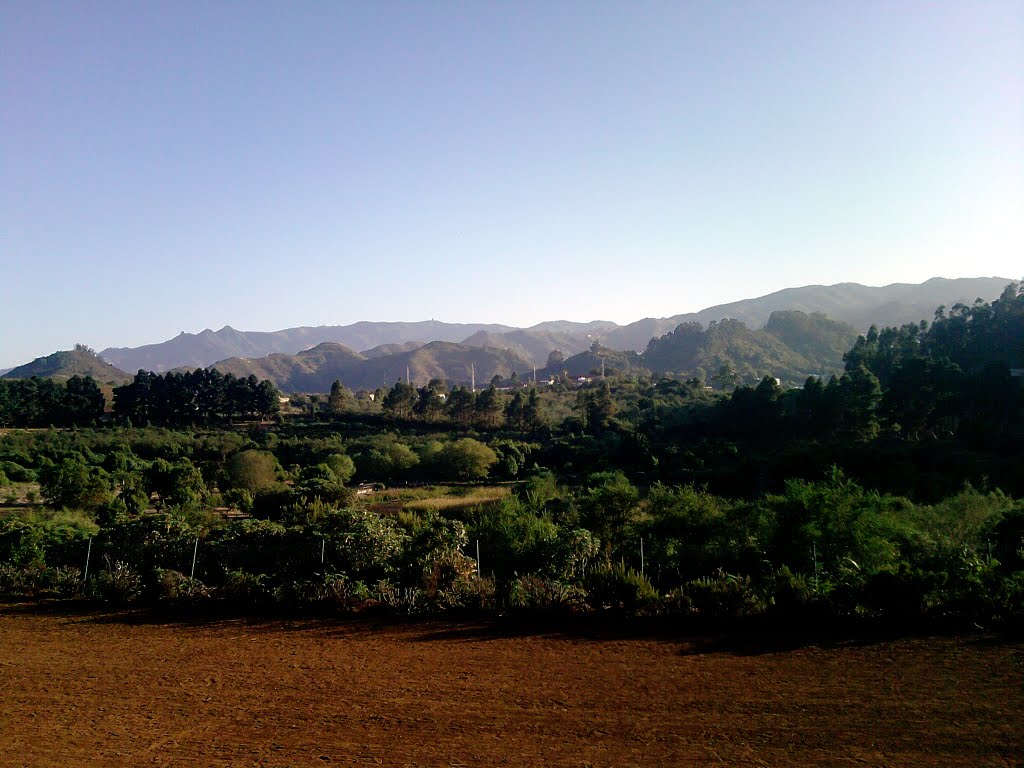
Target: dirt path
{"type": "Point", "coordinates": [96, 691]}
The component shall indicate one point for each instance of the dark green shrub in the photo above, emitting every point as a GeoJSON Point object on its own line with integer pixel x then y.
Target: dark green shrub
{"type": "Point", "coordinates": [537, 593]}
{"type": "Point", "coordinates": [175, 586]}
{"type": "Point", "coordinates": [118, 583]}
{"type": "Point", "coordinates": [17, 473]}
{"type": "Point", "coordinates": [723, 595]}
{"type": "Point", "coordinates": [619, 588]}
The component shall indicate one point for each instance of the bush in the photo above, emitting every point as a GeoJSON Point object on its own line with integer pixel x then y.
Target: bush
{"type": "Point", "coordinates": [536, 593]}
{"type": "Point", "coordinates": [64, 583]}
{"type": "Point", "coordinates": [175, 586]}
{"type": "Point", "coordinates": [17, 581]}
{"type": "Point", "coordinates": [118, 583]}
{"type": "Point", "coordinates": [474, 592]}
{"type": "Point", "coordinates": [17, 473]}
{"type": "Point", "coordinates": [789, 594]}
{"type": "Point", "coordinates": [245, 589]}
{"type": "Point", "coordinates": [619, 588]}
{"type": "Point", "coordinates": [723, 595]}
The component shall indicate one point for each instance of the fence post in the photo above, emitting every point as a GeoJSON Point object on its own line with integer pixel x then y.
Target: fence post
{"type": "Point", "coordinates": [814, 554]}
{"type": "Point", "coordinates": [88, 554]}
{"type": "Point", "coordinates": [478, 558]}
{"type": "Point", "coordinates": [323, 550]}
{"type": "Point", "coordinates": [195, 551]}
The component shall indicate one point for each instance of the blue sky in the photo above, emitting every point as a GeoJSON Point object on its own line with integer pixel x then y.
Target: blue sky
{"type": "Point", "coordinates": [177, 166]}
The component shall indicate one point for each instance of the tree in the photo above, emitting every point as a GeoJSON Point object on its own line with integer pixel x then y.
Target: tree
{"type": "Point", "coordinates": [429, 405]}
{"type": "Point", "coordinates": [320, 482]}
{"type": "Point", "coordinates": [515, 411]}
{"type": "Point", "coordinates": [466, 459]}
{"type": "Point", "coordinates": [489, 410]}
{"type": "Point", "coordinates": [400, 401]}
{"type": "Point", "coordinates": [460, 406]}
{"type": "Point", "coordinates": [596, 408]}
{"type": "Point", "coordinates": [253, 471]}
{"type": "Point", "coordinates": [388, 462]}
{"type": "Point", "coordinates": [725, 378]}
{"type": "Point", "coordinates": [84, 401]}
{"type": "Point", "coordinates": [859, 396]}
{"type": "Point", "coordinates": [339, 399]}
{"type": "Point", "coordinates": [342, 466]}
{"type": "Point", "coordinates": [72, 484]}
{"type": "Point", "coordinates": [608, 506]}
{"type": "Point", "coordinates": [177, 484]}
{"type": "Point", "coordinates": [532, 420]}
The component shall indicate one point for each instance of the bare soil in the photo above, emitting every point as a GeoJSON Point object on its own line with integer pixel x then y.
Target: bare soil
{"type": "Point", "coordinates": [109, 689]}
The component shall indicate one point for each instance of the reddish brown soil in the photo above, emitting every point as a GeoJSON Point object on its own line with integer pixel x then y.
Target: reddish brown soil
{"type": "Point", "coordinates": [103, 690]}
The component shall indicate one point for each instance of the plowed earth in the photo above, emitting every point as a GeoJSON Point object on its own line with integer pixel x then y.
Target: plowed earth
{"type": "Point", "coordinates": [100, 689]}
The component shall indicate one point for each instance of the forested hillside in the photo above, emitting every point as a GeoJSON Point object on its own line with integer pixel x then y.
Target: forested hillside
{"type": "Point", "coordinates": [791, 347]}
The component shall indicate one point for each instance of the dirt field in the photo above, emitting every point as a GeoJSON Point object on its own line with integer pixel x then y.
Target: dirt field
{"type": "Point", "coordinates": [103, 690]}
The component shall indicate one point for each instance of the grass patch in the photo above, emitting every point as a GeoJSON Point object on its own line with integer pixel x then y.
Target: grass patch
{"type": "Point", "coordinates": [459, 498]}
{"type": "Point", "coordinates": [435, 498]}
{"type": "Point", "coordinates": [19, 495]}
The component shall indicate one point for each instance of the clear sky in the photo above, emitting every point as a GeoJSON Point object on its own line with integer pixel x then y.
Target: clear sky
{"type": "Point", "coordinates": [169, 166]}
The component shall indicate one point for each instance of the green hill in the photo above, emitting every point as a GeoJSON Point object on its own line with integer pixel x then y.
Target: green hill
{"type": "Point", "coordinates": [792, 346]}
{"type": "Point", "coordinates": [61, 366]}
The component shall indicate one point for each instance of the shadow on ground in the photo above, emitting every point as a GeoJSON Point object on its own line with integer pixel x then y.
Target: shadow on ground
{"type": "Point", "coordinates": [749, 637]}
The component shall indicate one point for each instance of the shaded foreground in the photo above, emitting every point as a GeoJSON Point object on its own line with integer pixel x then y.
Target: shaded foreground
{"type": "Point", "coordinates": [126, 690]}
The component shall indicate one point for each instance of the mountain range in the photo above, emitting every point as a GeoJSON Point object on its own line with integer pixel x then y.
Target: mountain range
{"type": "Point", "coordinates": [314, 370]}
{"type": "Point", "coordinates": [858, 305]}
{"type": "Point", "coordinates": [794, 331]}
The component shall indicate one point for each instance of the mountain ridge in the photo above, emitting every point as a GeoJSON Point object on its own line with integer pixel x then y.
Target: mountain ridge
{"type": "Point", "coordinates": [314, 370]}
{"type": "Point", "coordinates": [853, 303]}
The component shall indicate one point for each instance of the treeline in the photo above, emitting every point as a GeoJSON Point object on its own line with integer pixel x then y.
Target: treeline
{"type": "Point", "coordinates": [38, 402]}
{"type": "Point", "coordinates": [459, 408]}
{"type": "Point", "coordinates": [203, 396]}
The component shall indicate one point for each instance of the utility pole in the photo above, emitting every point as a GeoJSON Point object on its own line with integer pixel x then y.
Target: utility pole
{"type": "Point", "coordinates": [407, 375]}
{"type": "Point", "coordinates": [472, 377]}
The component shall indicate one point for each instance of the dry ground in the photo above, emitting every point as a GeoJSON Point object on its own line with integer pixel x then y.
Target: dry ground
{"type": "Point", "coordinates": [98, 689]}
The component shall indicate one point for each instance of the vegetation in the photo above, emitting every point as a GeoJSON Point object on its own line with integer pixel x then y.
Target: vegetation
{"type": "Point", "coordinates": [891, 491]}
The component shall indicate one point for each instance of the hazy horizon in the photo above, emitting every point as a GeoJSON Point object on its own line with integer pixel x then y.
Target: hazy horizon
{"type": "Point", "coordinates": [184, 167]}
